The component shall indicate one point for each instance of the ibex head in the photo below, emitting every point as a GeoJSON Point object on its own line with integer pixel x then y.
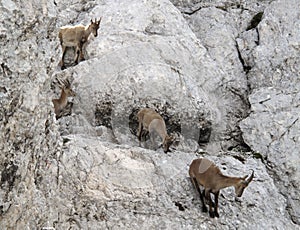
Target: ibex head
{"type": "Point", "coordinates": [66, 86]}
{"type": "Point", "coordinates": [168, 141]}
{"type": "Point", "coordinates": [239, 187]}
{"type": "Point", "coordinates": [95, 26]}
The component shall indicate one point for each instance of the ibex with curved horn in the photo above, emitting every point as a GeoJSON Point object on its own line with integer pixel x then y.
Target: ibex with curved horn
{"type": "Point", "coordinates": [61, 103]}
{"type": "Point", "coordinates": [204, 172]}
{"type": "Point", "coordinates": [76, 36]}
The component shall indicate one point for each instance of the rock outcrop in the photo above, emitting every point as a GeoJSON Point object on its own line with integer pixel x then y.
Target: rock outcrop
{"type": "Point", "coordinates": [224, 77]}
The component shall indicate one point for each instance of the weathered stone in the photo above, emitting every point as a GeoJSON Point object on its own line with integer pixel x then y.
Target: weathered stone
{"type": "Point", "coordinates": [86, 171]}
{"type": "Point", "coordinates": [272, 129]}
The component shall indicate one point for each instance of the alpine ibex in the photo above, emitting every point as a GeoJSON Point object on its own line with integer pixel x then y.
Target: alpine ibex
{"type": "Point", "coordinates": [204, 172]}
{"type": "Point", "coordinates": [152, 122]}
{"type": "Point", "coordinates": [61, 103]}
{"type": "Point", "coordinates": [76, 36]}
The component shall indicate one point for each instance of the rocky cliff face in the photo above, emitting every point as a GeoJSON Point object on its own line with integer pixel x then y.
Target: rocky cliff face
{"type": "Point", "coordinates": [223, 74]}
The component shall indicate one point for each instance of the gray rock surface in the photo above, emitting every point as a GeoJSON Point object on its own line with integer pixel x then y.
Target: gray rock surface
{"type": "Point", "coordinates": [218, 77]}
{"type": "Point", "coordinates": [274, 116]}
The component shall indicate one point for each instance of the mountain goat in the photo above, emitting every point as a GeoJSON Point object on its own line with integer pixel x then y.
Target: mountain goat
{"type": "Point", "coordinates": [151, 121]}
{"type": "Point", "coordinates": [62, 101]}
{"type": "Point", "coordinates": [204, 172]}
{"type": "Point", "coordinates": [76, 36]}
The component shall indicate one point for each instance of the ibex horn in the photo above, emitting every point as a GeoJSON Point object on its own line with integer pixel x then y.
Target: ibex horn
{"type": "Point", "coordinates": [251, 177]}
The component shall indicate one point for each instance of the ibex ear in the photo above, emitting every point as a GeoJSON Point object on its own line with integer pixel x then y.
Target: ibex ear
{"type": "Point", "coordinates": [91, 20]}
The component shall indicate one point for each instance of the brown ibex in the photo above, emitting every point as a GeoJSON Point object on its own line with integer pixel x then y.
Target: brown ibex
{"type": "Point", "coordinates": [204, 172]}
{"type": "Point", "coordinates": [76, 36]}
{"type": "Point", "coordinates": [61, 103]}
{"type": "Point", "coordinates": [152, 122]}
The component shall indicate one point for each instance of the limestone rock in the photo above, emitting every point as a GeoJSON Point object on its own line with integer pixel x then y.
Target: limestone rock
{"type": "Point", "coordinates": [272, 129]}
{"type": "Point", "coordinates": [188, 60]}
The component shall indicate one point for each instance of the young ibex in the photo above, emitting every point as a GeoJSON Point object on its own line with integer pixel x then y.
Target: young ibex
{"type": "Point", "coordinates": [204, 172]}
{"type": "Point", "coordinates": [76, 36]}
{"type": "Point", "coordinates": [152, 122]}
{"type": "Point", "coordinates": [61, 103]}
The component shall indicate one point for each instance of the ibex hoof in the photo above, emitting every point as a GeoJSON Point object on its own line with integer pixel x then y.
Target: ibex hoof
{"type": "Point", "coordinates": [204, 209]}
{"type": "Point", "coordinates": [63, 67]}
{"type": "Point", "coordinates": [217, 215]}
{"type": "Point", "coordinates": [211, 214]}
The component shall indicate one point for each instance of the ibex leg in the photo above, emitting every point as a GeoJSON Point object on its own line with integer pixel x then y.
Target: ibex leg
{"type": "Point", "coordinates": [195, 183]}
{"type": "Point", "coordinates": [207, 196]}
{"type": "Point", "coordinates": [77, 54]}
{"type": "Point", "coordinates": [63, 57]}
{"type": "Point", "coordinates": [216, 204]}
